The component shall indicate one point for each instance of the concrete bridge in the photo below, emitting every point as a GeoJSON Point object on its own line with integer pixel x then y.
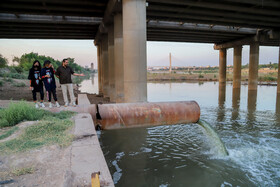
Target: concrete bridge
{"type": "Point", "coordinates": [120, 30]}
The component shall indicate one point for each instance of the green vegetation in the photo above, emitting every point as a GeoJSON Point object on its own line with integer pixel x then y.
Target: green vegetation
{"type": "Point", "coordinates": [1, 83]}
{"type": "Point", "coordinates": [15, 69]}
{"type": "Point", "coordinates": [3, 61]}
{"type": "Point", "coordinates": [270, 65]}
{"type": "Point", "coordinates": [200, 76]}
{"type": "Point", "coordinates": [13, 75]}
{"type": "Point", "coordinates": [267, 78]}
{"type": "Point", "coordinates": [8, 79]}
{"type": "Point", "coordinates": [8, 133]}
{"type": "Point", "coordinates": [46, 132]}
{"type": "Point", "coordinates": [22, 111]}
{"type": "Point", "coordinates": [19, 84]}
{"type": "Point", "coordinates": [26, 61]}
{"type": "Point", "coordinates": [51, 130]}
{"type": "Point", "coordinates": [23, 171]}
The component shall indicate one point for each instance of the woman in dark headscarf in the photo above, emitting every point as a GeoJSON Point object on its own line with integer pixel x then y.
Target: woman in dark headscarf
{"type": "Point", "coordinates": [49, 82]}
{"type": "Point", "coordinates": [36, 84]}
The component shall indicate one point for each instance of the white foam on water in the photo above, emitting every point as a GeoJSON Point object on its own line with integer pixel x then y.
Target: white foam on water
{"type": "Point", "coordinates": [261, 161]}
{"type": "Point", "coordinates": [118, 174]}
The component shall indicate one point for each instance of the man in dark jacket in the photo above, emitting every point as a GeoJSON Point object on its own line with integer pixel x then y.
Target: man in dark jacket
{"type": "Point", "coordinates": [36, 84]}
{"type": "Point", "coordinates": [64, 73]}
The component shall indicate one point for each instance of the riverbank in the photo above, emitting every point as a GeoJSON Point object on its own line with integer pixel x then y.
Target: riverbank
{"type": "Point", "coordinates": [18, 89]}
{"type": "Point", "coordinates": [49, 149]}
{"type": "Point", "coordinates": [265, 78]}
{"type": "Point", "coordinates": [34, 145]}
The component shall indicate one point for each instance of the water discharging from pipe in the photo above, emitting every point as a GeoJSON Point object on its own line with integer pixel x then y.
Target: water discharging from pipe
{"type": "Point", "coordinates": [221, 149]}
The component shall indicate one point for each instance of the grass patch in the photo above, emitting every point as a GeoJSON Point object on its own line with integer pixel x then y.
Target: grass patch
{"type": "Point", "coordinates": [18, 112]}
{"type": "Point", "coordinates": [267, 78]}
{"type": "Point", "coordinates": [1, 83]}
{"type": "Point", "coordinates": [9, 80]}
{"type": "Point", "coordinates": [200, 76]}
{"type": "Point", "coordinates": [22, 111]}
{"type": "Point", "coordinates": [20, 84]}
{"type": "Point", "coordinates": [14, 75]}
{"type": "Point", "coordinates": [53, 131]}
{"type": "Point", "coordinates": [8, 133]}
{"type": "Point", "coordinates": [23, 171]}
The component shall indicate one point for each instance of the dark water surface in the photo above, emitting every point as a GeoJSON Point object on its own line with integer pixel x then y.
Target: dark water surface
{"type": "Point", "coordinates": [184, 155]}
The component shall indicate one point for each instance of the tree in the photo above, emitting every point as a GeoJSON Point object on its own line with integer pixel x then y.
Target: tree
{"type": "Point", "coordinates": [26, 61]}
{"type": "Point", "coordinates": [3, 61]}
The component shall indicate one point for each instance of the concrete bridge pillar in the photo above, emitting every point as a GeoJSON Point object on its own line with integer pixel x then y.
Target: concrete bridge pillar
{"type": "Point", "coordinates": [105, 65]}
{"type": "Point", "coordinates": [278, 80]}
{"type": "Point", "coordinates": [111, 74]}
{"type": "Point", "coordinates": [118, 57]}
{"type": "Point", "coordinates": [253, 67]}
{"type": "Point", "coordinates": [222, 65]}
{"type": "Point", "coordinates": [278, 87]}
{"type": "Point", "coordinates": [237, 56]}
{"type": "Point", "coordinates": [134, 51]}
{"type": "Point", "coordinates": [100, 89]}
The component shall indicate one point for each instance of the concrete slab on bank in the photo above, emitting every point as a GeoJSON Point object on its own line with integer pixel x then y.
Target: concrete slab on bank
{"type": "Point", "coordinates": [86, 154]}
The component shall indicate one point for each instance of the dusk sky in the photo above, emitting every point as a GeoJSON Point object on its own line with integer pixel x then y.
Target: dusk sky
{"type": "Point", "coordinates": [84, 52]}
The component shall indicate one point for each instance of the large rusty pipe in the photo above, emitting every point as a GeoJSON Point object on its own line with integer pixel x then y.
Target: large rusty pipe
{"type": "Point", "coordinates": [124, 115]}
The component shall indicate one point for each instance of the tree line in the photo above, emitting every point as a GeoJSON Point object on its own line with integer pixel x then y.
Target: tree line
{"type": "Point", "coordinates": [26, 60]}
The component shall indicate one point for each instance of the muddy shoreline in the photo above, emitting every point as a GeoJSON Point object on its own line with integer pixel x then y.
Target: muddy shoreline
{"type": "Point", "coordinates": [8, 91]}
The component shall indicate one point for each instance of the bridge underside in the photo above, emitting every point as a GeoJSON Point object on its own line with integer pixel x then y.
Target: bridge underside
{"type": "Point", "coordinates": [207, 21]}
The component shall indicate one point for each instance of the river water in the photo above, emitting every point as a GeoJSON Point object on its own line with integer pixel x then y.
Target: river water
{"type": "Point", "coordinates": [184, 155]}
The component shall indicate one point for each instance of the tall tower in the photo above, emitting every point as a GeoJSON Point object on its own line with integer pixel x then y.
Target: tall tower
{"type": "Point", "coordinates": [170, 64]}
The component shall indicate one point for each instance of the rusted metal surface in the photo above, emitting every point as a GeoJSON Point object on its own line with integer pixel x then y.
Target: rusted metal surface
{"type": "Point", "coordinates": [123, 115]}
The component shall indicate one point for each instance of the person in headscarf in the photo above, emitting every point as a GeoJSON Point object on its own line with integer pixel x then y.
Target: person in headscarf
{"type": "Point", "coordinates": [49, 82]}
{"type": "Point", "coordinates": [36, 84]}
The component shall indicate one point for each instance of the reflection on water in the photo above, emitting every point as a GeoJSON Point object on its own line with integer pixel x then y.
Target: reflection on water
{"type": "Point", "coordinates": [181, 155]}
{"type": "Point", "coordinates": [277, 108]}
{"type": "Point", "coordinates": [235, 103]}
{"type": "Point", "coordinates": [90, 85]}
{"type": "Point", "coordinates": [252, 105]}
{"type": "Point", "coordinates": [222, 99]}
{"type": "Point", "coordinates": [278, 103]}
{"type": "Point", "coordinates": [93, 77]}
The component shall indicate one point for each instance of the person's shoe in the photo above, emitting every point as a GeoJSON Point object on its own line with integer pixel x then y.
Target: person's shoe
{"type": "Point", "coordinates": [74, 104]}
{"type": "Point", "coordinates": [66, 104]}
{"type": "Point", "coordinates": [36, 105]}
{"type": "Point", "coordinates": [50, 105]}
{"type": "Point", "coordinates": [42, 105]}
{"type": "Point", "coordinates": [57, 104]}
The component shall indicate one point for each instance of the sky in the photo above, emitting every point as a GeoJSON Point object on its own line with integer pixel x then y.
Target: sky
{"type": "Point", "coordinates": [84, 52]}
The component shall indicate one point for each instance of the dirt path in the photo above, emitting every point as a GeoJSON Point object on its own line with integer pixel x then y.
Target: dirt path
{"type": "Point", "coordinates": [46, 166]}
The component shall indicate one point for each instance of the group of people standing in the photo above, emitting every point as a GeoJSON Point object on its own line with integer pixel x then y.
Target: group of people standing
{"type": "Point", "coordinates": [39, 76]}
